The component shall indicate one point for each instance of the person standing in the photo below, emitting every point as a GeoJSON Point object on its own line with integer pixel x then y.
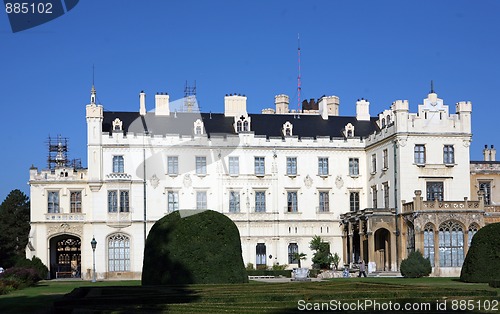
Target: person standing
{"type": "Point", "coordinates": [362, 268]}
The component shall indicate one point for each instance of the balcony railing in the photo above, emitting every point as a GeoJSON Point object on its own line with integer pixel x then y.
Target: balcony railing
{"type": "Point", "coordinates": [419, 204]}
{"type": "Point", "coordinates": [65, 217]}
{"type": "Point", "coordinates": [119, 176]}
{"type": "Point", "coordinates": [119, 220]}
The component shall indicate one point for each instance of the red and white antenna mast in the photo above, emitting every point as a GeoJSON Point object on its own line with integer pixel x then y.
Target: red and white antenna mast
{"type": "Point", "coordinates": [299, 88]}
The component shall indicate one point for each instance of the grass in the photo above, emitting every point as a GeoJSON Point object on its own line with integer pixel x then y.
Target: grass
{"type": "Point", "coordinates": [256, 297]}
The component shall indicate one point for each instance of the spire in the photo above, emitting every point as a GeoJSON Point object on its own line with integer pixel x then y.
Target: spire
{"type": "Point", "coordinates": [92, 95]}
{"type": "Point", "coordinates": [432, 87]}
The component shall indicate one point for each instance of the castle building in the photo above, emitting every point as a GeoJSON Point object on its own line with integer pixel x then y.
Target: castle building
{"type": "Point", "coordinates": [373, 187]}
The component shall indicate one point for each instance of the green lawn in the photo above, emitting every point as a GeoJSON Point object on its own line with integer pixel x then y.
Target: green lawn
{"type": "Point", "coordinates": [256, 297]}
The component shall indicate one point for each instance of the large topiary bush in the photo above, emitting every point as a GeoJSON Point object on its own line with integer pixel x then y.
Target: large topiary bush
{"type": "Point", "coordinates": [193, 247]}
{"type": "Point", "coordinates": [415, 266]}
{"type": "Point", "coordinates": [482, 263]}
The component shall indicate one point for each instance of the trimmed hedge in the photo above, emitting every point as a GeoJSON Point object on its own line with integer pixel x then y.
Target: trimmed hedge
{"type": "Point", "coordinates": [190, 246]}
{"type": "Point", "coordinates": [415, 266]}
{"type": "Point", "coordinates": [275, 273]}
{"type": "Point", "coordinates": [482, 263]}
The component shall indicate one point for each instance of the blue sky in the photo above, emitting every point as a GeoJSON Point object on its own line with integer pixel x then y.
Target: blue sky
{"type": "Point", "coordinates": [379, 50]}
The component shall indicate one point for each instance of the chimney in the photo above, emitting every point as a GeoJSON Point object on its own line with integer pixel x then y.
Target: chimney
{"type": "Point", "coordinates": [281, 102]}
{"type": "Point", "coordinates": [142, 103]}
{"type": "Point", "coordinates": [235, 105]}
{"type": "Point", "coordinates": [162, 106]}
{"type": "Point", "coordinates": [493, 153]}
{"type": "Point", "coordinates": [363, 110]}
{"type": "Point", "coordinates": [486, 153]}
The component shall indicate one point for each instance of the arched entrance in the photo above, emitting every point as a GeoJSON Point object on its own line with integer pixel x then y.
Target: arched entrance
{"type": "Point", "coordinates": [383, 249]}
{"type": "Point", "coordinates": [65, 257]}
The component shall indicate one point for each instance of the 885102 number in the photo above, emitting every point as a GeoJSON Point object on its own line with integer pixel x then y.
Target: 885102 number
{"type": "Point", "coordinates": [26, 8]}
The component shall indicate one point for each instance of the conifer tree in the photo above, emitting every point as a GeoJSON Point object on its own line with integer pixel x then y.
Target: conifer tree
{"type": "Point", "coordinates": [14, 227]}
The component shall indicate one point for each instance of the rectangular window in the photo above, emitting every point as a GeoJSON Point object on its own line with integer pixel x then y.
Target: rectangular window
{"type": "Point", "coordinates": [291, 166]}
{"type": "Point", "coordinates": [485, 187]}
{"type": "Point", "coordinates": [173, 165]}
{"type": "Point", "coordinates": [259, 166]}
{"type": "Point", "coordinates": [435, 191]}
{"type": "Point", "coordinates": [201, 200]}
{"type": "Point", "coordinates": [201, 165]}
{"type": "Point", "coordinates": [75, 205]}
{"type": "Point", "coordinates": [53, 202]}
{"type": "Point", "coordinates": [112, 201]}
{"type": "Point", "coordinates": [353, 166]}
{"type": "Point", "coordinates": [173, 201]}
{"type": "Point", "coordinates": [419, 154]}
{"type": "Point", "coordinates": [354, 201]}
{"type": "Point", "coordinates": [118, 164]}
{"type": "Point", "coordinates": [234, 202]}
{"type": "Point", "coordinates": [234, 166]}
{"type": "Point", "coordinates": [124, 204]}
{"type": "Point", "coordinates": [386, 194]}
{"type": "Point", "coordinates": [374, 196]}
{"type": "Point", "coordinates": [260, 201]}
{"type": "Point", "coordinates": [116, 203]}
{"type": "Point", "coordinates": [448, 154]}
{"type": "Point", "coordinates": [292, 206]}
{"type": "Point", "coordinates": [324, 202]}
{"type": "Point", "coordinates": [374, 163]}
{"type": "Point", "coordinates": [386, 159]}
{"type": "Point", "coordinates": [323, 166]}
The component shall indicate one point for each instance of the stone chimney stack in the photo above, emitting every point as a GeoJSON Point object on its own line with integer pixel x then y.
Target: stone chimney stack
{"type": "Point", "coordinates": [162, 106]}
{"type": "Point", "coordinates": [142, 103]}
{"type": "Point", "coordinates": [235, 105]}
{"type": "Point", "coordinates": [363, 110]}
{"type": "Point", "coordinates": [493, 153]}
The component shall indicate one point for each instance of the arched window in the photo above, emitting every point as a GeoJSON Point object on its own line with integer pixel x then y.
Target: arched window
{"type": "Point", "coordinates": [117, 125]}
{"type": "Point", "coordinates": [118, 253]}
{"type": "Point", "coordinates": [260, 253]}
{"type": "Point", "coordinates": [451, 244]}
{"type": "Point", "coordinates": [349, 130]}
{"type": "Point", "coordinates": [429, 243]}
{"type": "Point", "coordinates": [239, 126]}
{"type": "Point", "coordinates": [383, 123]}
{"type": "Point", "coordinates": [198, 127]}
{"type": "Point", "coordinates": [287, 129]}
{"type": "Point", "coordinates": [472, 231]}
{"type": "Point", "coordinates": [410, 244]}
{"type": "Point", "coordinates": [246, 126]}
{"type": "Point", "coordinates": [292, 249]}
{"type": "Point", "coordinates": [388, 120]}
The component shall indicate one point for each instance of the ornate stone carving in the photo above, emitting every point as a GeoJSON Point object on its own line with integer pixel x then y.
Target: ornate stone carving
{"type": "Point", "coordinates": [154, 181]}
{"type": "Point", "coordinates": [187, 180]}
{"type": "Point", "coordinates": [65, 228]}
{"type": "Point", "coordinates": [339, 183]}
{"type": "Point", "coordinates": [308, 181]}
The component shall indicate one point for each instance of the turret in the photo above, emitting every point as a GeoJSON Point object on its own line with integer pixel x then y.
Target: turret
{"type": "Point", "coordinates": [281, 102]}
{"type": "Point", "coordinates": [94, 115]}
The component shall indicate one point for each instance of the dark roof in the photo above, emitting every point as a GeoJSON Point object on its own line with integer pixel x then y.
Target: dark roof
{"type": "Point", "coordinates": [269, 125]}
{"type": "Point", "coordinates": [484, 162]}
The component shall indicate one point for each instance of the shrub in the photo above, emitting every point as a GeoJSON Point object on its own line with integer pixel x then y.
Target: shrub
{"type": "Point", "coordinates": [279, 267]}
{"type": "Point", "coordinates": [415, 266]}
{"type": "Point", "coordinates": [189, 246]}
{"type": "Point", "coordinates": [275, 273]}
{"type": "Point", "coordinates": [36, 264]}
{"type": "Point", "coordinates": [322, 258]}
{"type": "Point", "coordinates": [249, 266]}
{"type": "Point", "coordinates": [20, 277]}
{"type": "Point", "coordinates": [482, 263]}
{"type": "Point", "coordinates": [495, 283]}
{"type": "Point", "coordinates": [336, 261]}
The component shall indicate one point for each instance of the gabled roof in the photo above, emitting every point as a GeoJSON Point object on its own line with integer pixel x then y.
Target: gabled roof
{"type": "Point", "coordinates": [269, 125]}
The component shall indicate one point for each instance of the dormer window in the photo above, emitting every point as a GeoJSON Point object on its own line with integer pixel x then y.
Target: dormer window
{"type": "Point", "coordinates": [243, 124]}
{"type": "Point", "coordinates": [287, 129]}
{"type": "Point", "coordinates": [117, 125]}
{"type": "Point", "coordinates": [349, 130]}
{"type": "Point", "coordinates": [198, 127]}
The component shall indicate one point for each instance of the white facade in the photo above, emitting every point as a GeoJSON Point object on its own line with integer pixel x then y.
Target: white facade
{"type": "Point", "coordinates": [253, 174]}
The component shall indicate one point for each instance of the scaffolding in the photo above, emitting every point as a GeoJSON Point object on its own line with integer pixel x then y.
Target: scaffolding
{"type": "Point", "coordinates": [58, 154]}
{"type": "Point", "coordinates": [190, 104]}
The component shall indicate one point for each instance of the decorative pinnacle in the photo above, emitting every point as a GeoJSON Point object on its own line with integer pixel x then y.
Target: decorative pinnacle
{"type": "Point", "coordinates": [432, 87]}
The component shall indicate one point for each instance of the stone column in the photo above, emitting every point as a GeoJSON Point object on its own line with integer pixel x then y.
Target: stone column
{"type": "Point", "coordinates": [361, 237]}
{"type": "Point", "coordinates": [436, 251]}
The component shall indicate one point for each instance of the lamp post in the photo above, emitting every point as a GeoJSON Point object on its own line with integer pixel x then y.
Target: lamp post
{"type": "Point", "coordinates": [94, 244]}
